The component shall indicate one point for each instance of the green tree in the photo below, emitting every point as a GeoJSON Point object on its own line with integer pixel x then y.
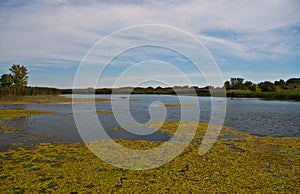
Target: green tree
{"type": "Point", "coordinates": [227, 85]}
{"type": "Point", "coordinates": [266, 86]}
{"type": "Point", "coordinates": [6, 80]}
{"type": "Point", "coordinates": [236, 83]}
{"type": "Point", "coordinates": [19, 75]}
{"type": "Point", "coordinates": [248, 85]}
{"type": "Point", "coordinates": [282, 84]}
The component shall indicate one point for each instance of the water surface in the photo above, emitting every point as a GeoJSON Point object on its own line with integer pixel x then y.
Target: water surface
{"type": "Point", "coordinates": [253, 116]}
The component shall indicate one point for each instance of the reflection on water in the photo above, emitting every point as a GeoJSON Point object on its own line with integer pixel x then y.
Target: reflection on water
{"type": "Point", "coordinates": [254, 116]}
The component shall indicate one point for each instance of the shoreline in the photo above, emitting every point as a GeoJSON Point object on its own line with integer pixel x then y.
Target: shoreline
{"type": "Point", "coordinates": [281, 96]}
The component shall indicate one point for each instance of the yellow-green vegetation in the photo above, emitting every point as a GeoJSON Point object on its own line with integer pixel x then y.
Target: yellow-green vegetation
{"type": "Point", "coordinates": [6, 114]}
{"type": "Point", "coordinates": [175, 105]}
{"type": "Point", "coordinates": [103, 112]}
{"type": "Point", "coordinates": [46, 99]}
{"type": "Point", "coordinates": [4, 129]}
{"type": "Point", "coordinates": [240, 164]}
{"type": "Point", "coordinates": [38, 137]}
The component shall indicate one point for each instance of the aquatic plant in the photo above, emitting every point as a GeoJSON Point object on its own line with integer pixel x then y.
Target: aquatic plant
{"type": "Point", "coordinates": [239, 164]}
{"type": "Point", "coordinates": [103, 112]}
{"type": "Point", "coordinates": [6, 114]}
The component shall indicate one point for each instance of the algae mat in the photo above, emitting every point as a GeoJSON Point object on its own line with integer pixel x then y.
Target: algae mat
{"type": "Point", "coordinates": [241, 163]}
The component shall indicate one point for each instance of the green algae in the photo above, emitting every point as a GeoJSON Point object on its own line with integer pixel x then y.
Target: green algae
{"type": "Point", "coordinates": [103, 112]}
{"type": "Point", "coordinates": [38, 137]}
{"type": "Point", "coordinates": [7, 114]}
{"type": "Point", "coordinates": [243, 164]}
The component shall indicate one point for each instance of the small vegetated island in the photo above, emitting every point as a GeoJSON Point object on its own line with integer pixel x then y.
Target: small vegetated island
{"type": "Point", "coordinates": [240, 164]}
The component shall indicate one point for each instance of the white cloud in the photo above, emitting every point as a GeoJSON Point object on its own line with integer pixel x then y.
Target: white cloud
{"type": "Point", "coordinates": [64, 30]}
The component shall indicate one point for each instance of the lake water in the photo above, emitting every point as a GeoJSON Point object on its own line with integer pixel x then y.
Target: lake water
{"type": "Point", "coordinates": [254, 116]}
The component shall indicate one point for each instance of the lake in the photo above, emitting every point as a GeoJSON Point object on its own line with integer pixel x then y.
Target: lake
{"type": "Point", "coordinates": [254, 116]}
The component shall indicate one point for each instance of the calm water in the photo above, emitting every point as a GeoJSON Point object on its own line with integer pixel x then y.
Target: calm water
{"type": "Point", "coordinates": [253, 116]}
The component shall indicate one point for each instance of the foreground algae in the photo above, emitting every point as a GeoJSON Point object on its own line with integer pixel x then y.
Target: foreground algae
{"type": "Point", "coordinates": [239, 164]}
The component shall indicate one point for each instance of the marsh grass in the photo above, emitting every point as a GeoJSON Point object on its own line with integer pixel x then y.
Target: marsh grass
{"type": "Point", "coordinates": [242, 164]}
{"type": "Point", "coordinates": [283, 95]}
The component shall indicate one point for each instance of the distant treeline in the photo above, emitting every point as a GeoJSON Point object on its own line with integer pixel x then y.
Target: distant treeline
{"type": "Point", "coordinates": [266, 86]}
{"type": "Point", "coordinates": [15, 84]}
{"type": "Point", "coordinates": [231, 86]}
{"type": "Point", "coordinates": [235, 87]}
{"type": "Point", "coordinates": [28, 91]}
{"type": "Point", "coordinates": [184, 90]}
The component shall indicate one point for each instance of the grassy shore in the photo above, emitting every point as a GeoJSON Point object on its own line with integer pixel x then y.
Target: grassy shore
{"type": "Point", "coordinates": [293, 96]}
{"type": "Point", "coordinates": [46, 99]}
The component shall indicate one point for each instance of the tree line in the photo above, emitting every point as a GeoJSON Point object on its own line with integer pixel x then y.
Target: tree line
{"type": "Point", "coordinates": [291, 84]}
{"type": "Point", "coordinates": [15, 84]}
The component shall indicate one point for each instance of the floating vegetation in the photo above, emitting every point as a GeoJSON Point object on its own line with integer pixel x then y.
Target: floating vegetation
{"type": "Point", "coordinates": [7, 114]}
{"type": "Point", "coordinates": [47, 99]}
{"type": "Point", "coordinates": [175, 105]}
{"type": "Point", "coordinates": [10, 130]}
{"type": "Point", "coordinates": [38, 137]}
{"type": "Point", "coordinates": [17, 144]}
{"type": "Point", "coordinates": [103, 112]}
{"type": "Point", "coordinates": [6, 129]}
{"type": "Point", "coordinates": [83, 100]}
{"type": "Point", "coordinates": [243, 164]}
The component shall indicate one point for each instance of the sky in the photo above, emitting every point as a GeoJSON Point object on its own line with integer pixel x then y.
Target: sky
{"type": "Point", "coordinates": [258, 40]}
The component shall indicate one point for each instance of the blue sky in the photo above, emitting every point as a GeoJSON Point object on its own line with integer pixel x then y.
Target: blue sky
{"type": "Point", "coordinates": [256, 40]}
